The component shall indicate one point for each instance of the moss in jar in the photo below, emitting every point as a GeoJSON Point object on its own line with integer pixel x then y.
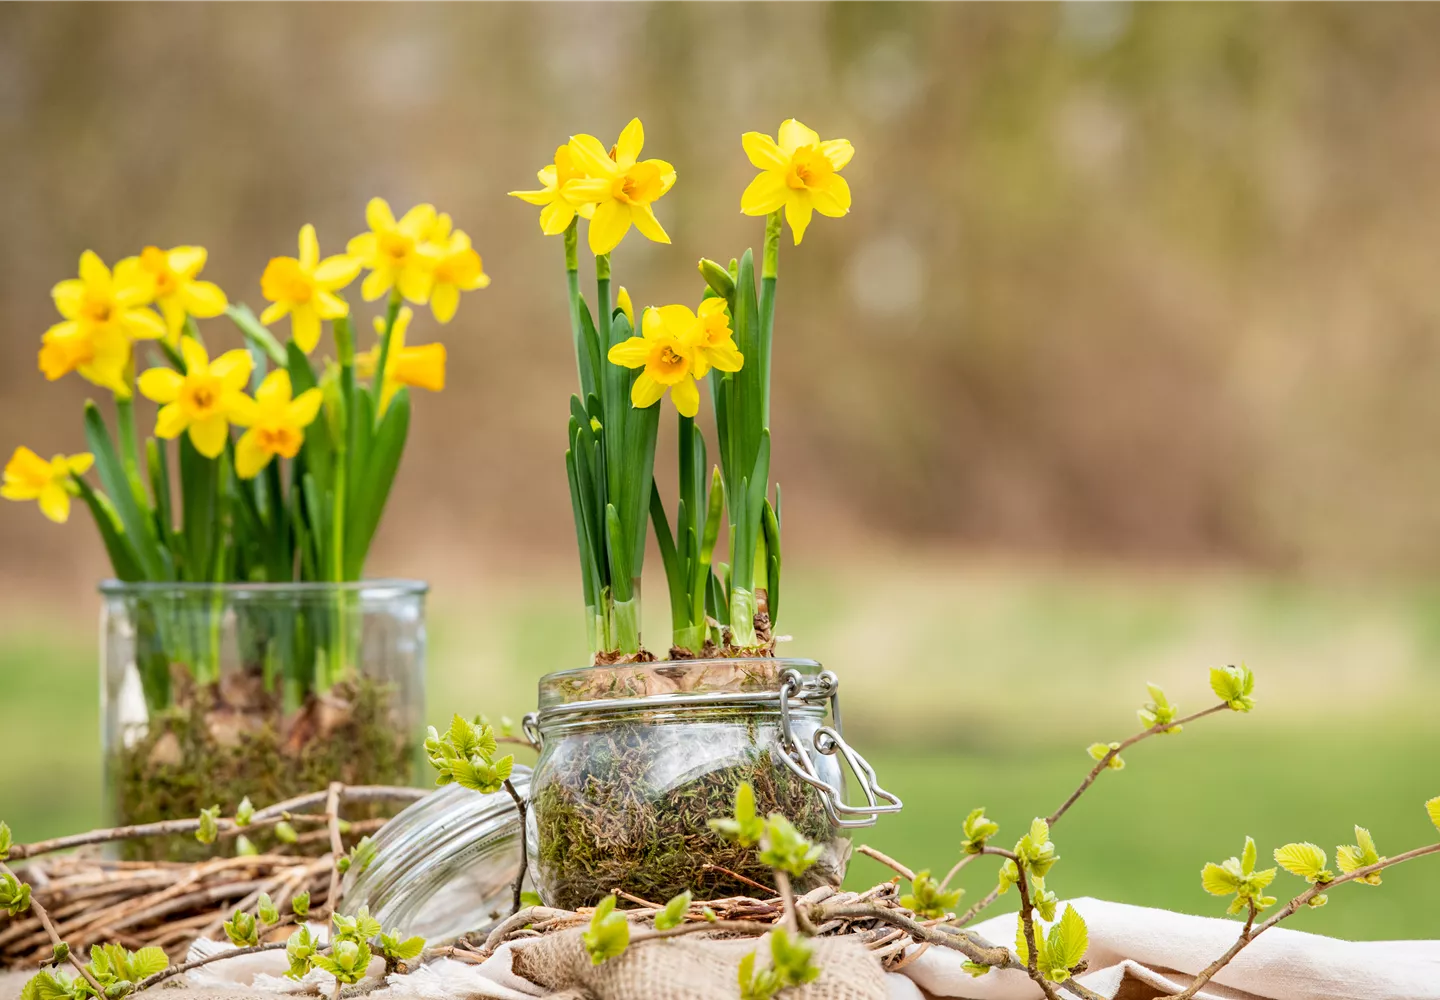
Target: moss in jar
{"type": "Point", "coordinates": [600, 827]}
{"type": "Point", "coordinates": [221, 742]}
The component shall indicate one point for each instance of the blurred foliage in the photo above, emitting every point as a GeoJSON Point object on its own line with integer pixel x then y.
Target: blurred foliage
{"type": "Point", "coordinates": [1147, 281]}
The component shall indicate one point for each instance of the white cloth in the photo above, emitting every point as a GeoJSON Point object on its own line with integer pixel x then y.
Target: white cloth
{"type": "Point", "coordinates": [1165, 950]}
{"type": "Point", "coordinates": [1128, 944]}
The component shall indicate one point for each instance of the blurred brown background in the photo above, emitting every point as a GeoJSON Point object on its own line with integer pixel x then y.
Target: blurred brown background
{"type": "Point", "coordinates": [1149, 288]}
{"type": "Point", "coordinates": [1152, 283]}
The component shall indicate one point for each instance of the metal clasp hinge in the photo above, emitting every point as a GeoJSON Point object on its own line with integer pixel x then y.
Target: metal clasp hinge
{"type": "Point", "coordinates": [829, 741]}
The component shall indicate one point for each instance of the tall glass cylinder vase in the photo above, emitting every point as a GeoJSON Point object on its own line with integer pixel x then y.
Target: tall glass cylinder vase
{"type": "Point", "coordinates": [214, 692]}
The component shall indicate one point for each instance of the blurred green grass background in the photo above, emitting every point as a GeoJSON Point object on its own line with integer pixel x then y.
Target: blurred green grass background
{"type": "Point", "coordinates": [992, 682]}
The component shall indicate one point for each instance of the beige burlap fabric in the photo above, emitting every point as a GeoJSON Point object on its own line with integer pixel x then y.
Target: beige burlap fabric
{"type": "Point", "coordinates": [687, 968]}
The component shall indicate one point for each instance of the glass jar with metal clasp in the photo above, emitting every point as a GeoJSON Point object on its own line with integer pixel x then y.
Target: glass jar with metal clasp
{"type": "Point", "coordinates": [635, 759]}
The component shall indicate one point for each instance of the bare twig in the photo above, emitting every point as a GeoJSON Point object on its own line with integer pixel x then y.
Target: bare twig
{"type": "Point", "coordinates": [337, 845]}
{"type": "Point", "coordinates": [975, 910]}
{"type": "Point", "coordinates": [888, 861]}
{"type": "Point", "coordinates": [968, 943]}
{"type": "Point", "coordinates": [1247, 934]}
{"type": "Point", "coordinates": [787, 896]}
{"type": "Point", "coordinates": [176, 970]}
{"type": "Point", "coordinates": [172, 827]}
{"type": "Point", "coordinates": [55, 938]}
{"type": "Point", "coordinates": [524, 848]}
{"type": "Point", "coordinates": [1104, 762]}
{"type": "Point", "coordinates": [965, 859]}
{"type": "Point", "coordinates": [700, 926]}
{"type": "Point", "coordinates": [710, 867]}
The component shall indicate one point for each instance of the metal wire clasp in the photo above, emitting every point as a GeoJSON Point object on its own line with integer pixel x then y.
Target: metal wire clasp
{"type": "Point", "coordinates": [828, 741]}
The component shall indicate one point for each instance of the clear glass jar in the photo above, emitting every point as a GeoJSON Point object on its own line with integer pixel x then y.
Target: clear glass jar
{"type": "Point", "coordinates": [445, 865]}
{"type": "Point", "coordinates": [212, 692]}
{"type": "Point", "coordinates": [635, 759]}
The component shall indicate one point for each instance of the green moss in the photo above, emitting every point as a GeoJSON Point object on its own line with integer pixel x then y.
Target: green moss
{"type": "Point", "coordinates": [206, 752]}
{"type": "Point", "coordinates": [602, 826]}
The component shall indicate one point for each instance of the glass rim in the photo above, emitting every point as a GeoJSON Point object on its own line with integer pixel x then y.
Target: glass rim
{"type": "Point", "coordinates": [659, 666]}
{"type": "Point", "coordinates": [382, 585]}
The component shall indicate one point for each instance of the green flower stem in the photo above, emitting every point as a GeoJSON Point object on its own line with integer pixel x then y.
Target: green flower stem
{"type": "Point", "coordinates": [627, 625]}
{"type": "Point", "coordinates": [332, 665]}
{"type": "Point", "coordinates": [392, 312]}
{"type": "Point", "coordinates": [742, 616]}
{"type": "Point", "coordinates": [769, 274]}
{"type": "Point", "coordinates": [130, 448]}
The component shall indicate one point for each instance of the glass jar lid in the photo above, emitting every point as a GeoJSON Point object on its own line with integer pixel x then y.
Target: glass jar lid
{"type": "Point", "coordinates": [674, 680]}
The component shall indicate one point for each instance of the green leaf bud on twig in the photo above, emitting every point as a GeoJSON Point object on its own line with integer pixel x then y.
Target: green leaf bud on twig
{"type": "Point", "coordinates": [1158, 711]}
{"type": "Point", "coordinates": [361, 927]}
{"type": "Point", "coordinates": [1098, 751]}
{"type": "Point", "coordinates": [241, 930]}
{"type": "Point", "coordinates": [244, 848]}
{"type": "Point", "coordinates": [300, 904]}
{"type": "Point", "coordinates": [978, 829]}
{"type": "Point", "coordinates": [926, 900]}
{"type": "Point", "coordinates": [1234, 686]}
{"type": "Point", "coordinates": [745, 827]}
{"type": "Point", "coordinates": [1361, 854]}
{"type": "Point", "coordinates": [209, 825]}
{"type": "Point", "coordinates": [300, 949]}
{"type": "Point", "coordinates": [1238, 876]}
{"type": "Point", "coordinates": [347, 962]}
{"type": "Point", "coordinates": [1305, 860]}
{"type": "Point", "coordinates": [265, 909]}
{"type": "Point", "coordinates": [785, 848]}
{"type": "Point", "coordinates": [673, 915]}
{"type": "Point", "coordinates": [244, 812]}
{"type": "Point", "coordinates": [609, 933]}
{"type": "Point", "coordinates": [5, 841]}
{"type": "Point", "coordinates": [14, 895]}
{"type": "Point", "coordinates": [285, 833]}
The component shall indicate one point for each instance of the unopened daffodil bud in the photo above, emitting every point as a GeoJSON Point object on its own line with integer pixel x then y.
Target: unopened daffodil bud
{"type": "Point", "coordinates": [717, 278]}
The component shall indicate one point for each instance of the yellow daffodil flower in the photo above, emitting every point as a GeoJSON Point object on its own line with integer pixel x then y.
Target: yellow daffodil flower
{"type": "Point", "coordinates": [304, 287]}
{"type": "Point", "coordinates": [455, 267]}
{"type": "Point", "coordinates": [200, 400]}
{"type": "Point", "coordinates": [178, 292]}
{"type": "Point", "coordinates": [622, 188]}
{"type": "Point", "coordinates": [276, 423]}
{"type": "Point", "coordinates": [30, 477]}
{"type": "Point", "coordinates": [669, 353]}
{"type": "Point", "coordinates": [715, 344]}
{"type": "Point", "coordinates": [391, 251]}
{"type": "Point", "coordinates": [422, 367]}
{"type": "Point", "coordinates": [622, 299]}
{"type": "Point", "coordinates": [103, 313]}
{"type": "Point", "coordinates": [557, 211]}
{"type": "Point", "coordinates": [800, 172]}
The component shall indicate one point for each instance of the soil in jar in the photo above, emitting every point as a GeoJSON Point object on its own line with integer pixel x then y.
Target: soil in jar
{"type": "Point", "coordinates": [218, 743]}
{"type": "Point", "coordinates": [600, 828]}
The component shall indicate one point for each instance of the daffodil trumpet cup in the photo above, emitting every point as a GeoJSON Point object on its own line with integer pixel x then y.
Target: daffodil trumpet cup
{"type": "Point", "coordinates": [243, 649]}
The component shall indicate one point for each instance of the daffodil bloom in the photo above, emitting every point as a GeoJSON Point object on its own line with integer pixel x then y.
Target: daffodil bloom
{"type": "Point", "coordinates": [622, 299]}
{"type": "Point", "coordinates": [103, 313]}
{"type": "Point", "coordinates": [669, 353]}
{"type": "Point", "coordinates": [621, 188]}
{"type": "Point", "coordinates": [30, 477]}
{"type": "Point", "coordinates": [422, 367]}
{"type": "Point", "coordinates": [276, 423]}
{"type": "Point", "coordinates": [200, 400]}
{"type": "Point", "coordinates": [304, 288]}
{"type": "Point", "coordinates": [715, 344]}
{"type": "Point", "coordinates": [557, 212]}
{"type": "Point", "coordinates": [455, 267]}
{"type": "Point", "coordinates": [392, 251]}
{"type": "Point", "coordinates": [800, 173]}
{"type": "Point", "coordinates": [178, 292]}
